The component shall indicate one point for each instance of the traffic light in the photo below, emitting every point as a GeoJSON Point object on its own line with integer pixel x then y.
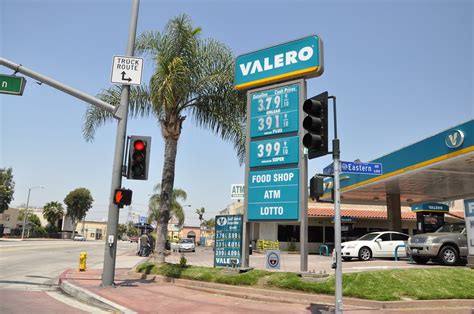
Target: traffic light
{"type": "Point", "coordinates": [139, 155]}
{"type": "Point", "coordinates": [122, 197]}
{"type": "Point", "coordinates": [316, 187]}
{"type": "Point", "coordinates": [316, 125]}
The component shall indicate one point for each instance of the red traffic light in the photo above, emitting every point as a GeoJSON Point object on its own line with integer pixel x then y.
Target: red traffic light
{"type": "Point", "coordinates": [139, 145]}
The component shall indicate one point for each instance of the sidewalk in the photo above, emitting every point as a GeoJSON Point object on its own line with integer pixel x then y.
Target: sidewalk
{"type": "Point", "coordinates": [135, 293]}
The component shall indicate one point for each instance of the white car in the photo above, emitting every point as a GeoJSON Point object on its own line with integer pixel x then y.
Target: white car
{"type": "Point", "coordinates": [79, 237]}
{"type": "Point", "coordinates": [375, 244]}
{"type": "Point", "coordinates": [186, 245]}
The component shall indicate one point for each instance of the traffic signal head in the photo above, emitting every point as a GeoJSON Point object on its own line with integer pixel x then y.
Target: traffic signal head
{"type": "Point", "coordinates": [139, 155]}
{"type": "Point", "coordinates": [316, 125]}
{"type": "Point", "coordinates": [316, 187]}
{"type": "Point", "coordinates": [122, 197]}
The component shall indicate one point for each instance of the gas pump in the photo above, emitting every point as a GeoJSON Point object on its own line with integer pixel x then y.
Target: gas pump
{"type": "Point", "coordinates": [429, 216]}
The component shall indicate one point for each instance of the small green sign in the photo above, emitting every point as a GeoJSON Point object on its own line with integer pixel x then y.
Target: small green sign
{"type": "Point", "coordinates": [11, 84]}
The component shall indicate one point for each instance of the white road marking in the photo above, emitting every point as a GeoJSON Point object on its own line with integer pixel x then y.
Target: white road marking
{"type": "Point", "coordinates": [74, 303]}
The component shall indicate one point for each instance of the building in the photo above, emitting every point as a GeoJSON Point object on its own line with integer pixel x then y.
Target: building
{"type": "Point", "coordinates": [190, 232]}
{"type": "Point", "coordinates": [92, 230]}
{"type": "Point", "coordinates": [9, 221]}
{"type": "Point", "coordinates": [356, 220]}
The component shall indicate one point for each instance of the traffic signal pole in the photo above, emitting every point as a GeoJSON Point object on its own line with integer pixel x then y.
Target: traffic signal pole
{"type": "Point", "coordinates": [108, 272]}
{"type": "Point", "coordinates": [336, 153]}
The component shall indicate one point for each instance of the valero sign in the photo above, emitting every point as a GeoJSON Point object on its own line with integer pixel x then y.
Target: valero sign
{"type": "Point", "coordinates": [294, 59]}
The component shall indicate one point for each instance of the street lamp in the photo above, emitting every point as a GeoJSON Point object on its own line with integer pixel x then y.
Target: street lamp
{"type": "Point", "coordinates": [26, 209]}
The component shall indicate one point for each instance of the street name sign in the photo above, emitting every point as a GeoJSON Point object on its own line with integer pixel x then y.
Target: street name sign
{"type": "Point", "coordinates": [275, 111]}
{"type": "Point", "coordinates": [228, 240]}
{"type": "Point", "coordinates": [298, 58]}
{"type": "Point", "coordinates": [277, 151]}
{"type": "Point", "coordinates": [127, 70]}
{"type": "Point", "coordinates": [273, 194]}
{"type": "Point", "coordinates": [12, 84]}
{"type": "Point", "coordinates": [361, 168]}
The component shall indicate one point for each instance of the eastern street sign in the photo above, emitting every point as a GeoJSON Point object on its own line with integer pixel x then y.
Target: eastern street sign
{"type": "Point", "coordinates": [356, 167]}
{"type": "Point", "coordinates": [127, 70]}
{"type": "Point", "coordinates": [298, 58]}
{"type": "Point", "coordinates": [228, 240]}
{"type": "Point", "coordinates": [12, 84]}
{"type": "Point", "coordinates": [278, 151]}
{"type": "Point", "coordinates": [273, 194]}
{"type": "Point", "coordinates": [275, 111]}
{"type": "Point", "coordinates": [361, 168]}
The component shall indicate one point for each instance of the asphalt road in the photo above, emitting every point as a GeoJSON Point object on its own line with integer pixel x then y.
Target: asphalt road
{"type": "Point", "coordinates": [29, 271]}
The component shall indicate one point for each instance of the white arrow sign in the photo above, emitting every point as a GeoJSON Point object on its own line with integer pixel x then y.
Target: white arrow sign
{"type": "Point", "coordinates": [127, 70]}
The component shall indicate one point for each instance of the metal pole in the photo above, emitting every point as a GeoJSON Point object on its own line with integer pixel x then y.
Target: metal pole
{"type": "Point", "coordinates": [60, 86]}
{"type": "Point", "coordinates": [108, 273]}
{"type": "Point", "coordinates": [25, 214]}
{"type": "Point", "coordinates": [337, 215]}
{"type": "Point", "coordinates": [304, 249]}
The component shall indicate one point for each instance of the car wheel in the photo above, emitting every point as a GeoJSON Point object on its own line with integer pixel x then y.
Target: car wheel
{"type": "Point", "coordinates": [448, 255]}
{"type": "Point", "coordinates": [420, 259]}
{"type": "Point", "coordinates": [365, 254]}
{"type": "Point", "coordinates": [194, 250]}
{"type": "Point", "coordinates": [347, 259]}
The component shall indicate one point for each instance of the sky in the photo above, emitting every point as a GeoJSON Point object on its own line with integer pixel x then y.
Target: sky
{"type": "Point", "coordinates": [401, 71]}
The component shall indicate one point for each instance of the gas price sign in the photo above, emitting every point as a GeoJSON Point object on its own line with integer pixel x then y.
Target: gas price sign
{"type": "Point", "coordinates": [228, 240]}
{"type": "Point", "coordinates": [275, 111]}
{"type": "Point", "coordinates": [279, 151]}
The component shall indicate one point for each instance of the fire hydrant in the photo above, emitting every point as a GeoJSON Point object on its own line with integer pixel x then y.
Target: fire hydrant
{"type": "Point", "coordinates": [82, 261]}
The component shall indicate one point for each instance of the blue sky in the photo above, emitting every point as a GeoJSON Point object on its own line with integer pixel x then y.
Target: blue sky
{"type": "Point", "coordinates": [401, 71]}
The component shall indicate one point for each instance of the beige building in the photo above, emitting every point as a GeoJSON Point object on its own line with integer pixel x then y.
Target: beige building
{"type": "Point", "coordinates": [9, 220]}
{"type": "Point", "coordinates": [92, 230]}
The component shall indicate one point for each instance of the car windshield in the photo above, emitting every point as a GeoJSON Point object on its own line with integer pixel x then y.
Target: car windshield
{"type": "Point", "coordinates": [187, 241]}
{"type": "Point", "coordinates": [451, 228]}
{"type": "Point", "coordinates": [368, 236]}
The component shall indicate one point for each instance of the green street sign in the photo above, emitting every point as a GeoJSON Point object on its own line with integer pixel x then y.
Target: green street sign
{"type": "Point", "coordinates": [11, 84]}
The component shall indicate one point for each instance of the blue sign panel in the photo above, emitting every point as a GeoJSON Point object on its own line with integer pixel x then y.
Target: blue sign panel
{"type": "Point", "coordinates": [278, 151]}
{"type": "Point", "coordinates": [437, 207]}
{"type": "Point", "coordinates": [360, 167]}
{"type": "Point", "coordinates": [329, 169]}
{"type": "Point", "coordinates": [298, 58]}
{"type": "Point", "coordinates": [228, 240]}
{"type": "Point", "coordinates": [273, 194]}
{"type": "Point", "coordinates": [274, 111]}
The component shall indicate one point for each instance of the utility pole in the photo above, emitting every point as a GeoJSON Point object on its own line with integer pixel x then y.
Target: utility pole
{"type": "Point", "coordinates": [110, 253]}
{"type": "Point", "coordinates": [25, 214]}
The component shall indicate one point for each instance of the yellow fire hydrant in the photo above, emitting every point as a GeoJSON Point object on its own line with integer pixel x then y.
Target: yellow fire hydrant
{"type": "Point", "coordinates": [82, 261]}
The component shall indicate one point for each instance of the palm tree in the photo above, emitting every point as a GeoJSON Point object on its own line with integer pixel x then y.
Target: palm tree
{"type": "Point", "coordinates": [192, 76]}
{"type": "Point", "coordinates": [200, 212]}
{"type": "Point", "coordinates": [177, 210]}
{"type": "Point", "coordinates": [53, 211]}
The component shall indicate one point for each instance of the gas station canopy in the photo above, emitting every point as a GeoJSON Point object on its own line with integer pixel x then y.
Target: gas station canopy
{"type": "Point", "coordinates": [438, 168]}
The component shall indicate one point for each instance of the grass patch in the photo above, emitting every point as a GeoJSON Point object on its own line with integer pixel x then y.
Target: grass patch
{"type": "Point", "coordinates": [203, 274]}
{"type": "Point", "coordinates": [386, 285]}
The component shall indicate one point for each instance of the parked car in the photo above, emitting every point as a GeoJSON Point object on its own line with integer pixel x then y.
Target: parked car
{"type": "Point", "coordinates": [133, 238]}
{"type": "Point", "coordinates": [186, 245]}
{"type": "Point", "coordinates": [79, 237]}
{"type": "Point", "coordinates": [374, 244]}
{"type": "Point", "coordinates": [448, 244]}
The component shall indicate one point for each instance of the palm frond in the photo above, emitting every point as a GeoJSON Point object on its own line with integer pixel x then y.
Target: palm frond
{"type": "Point", "coordinates": [139, 106]}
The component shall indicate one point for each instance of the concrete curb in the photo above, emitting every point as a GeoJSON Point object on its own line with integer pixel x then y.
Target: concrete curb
{"type": "Point", "coordinates": [286, 296]}
{"type": "Point", "coordinates": [90, 297]}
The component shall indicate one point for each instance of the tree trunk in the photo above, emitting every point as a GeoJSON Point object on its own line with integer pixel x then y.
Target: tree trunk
{"type": "Point", "coordinates": [167, 185]}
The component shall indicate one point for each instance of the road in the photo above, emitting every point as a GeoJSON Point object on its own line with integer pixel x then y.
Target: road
{"type": "Point", "coordinates": [29, 271]}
